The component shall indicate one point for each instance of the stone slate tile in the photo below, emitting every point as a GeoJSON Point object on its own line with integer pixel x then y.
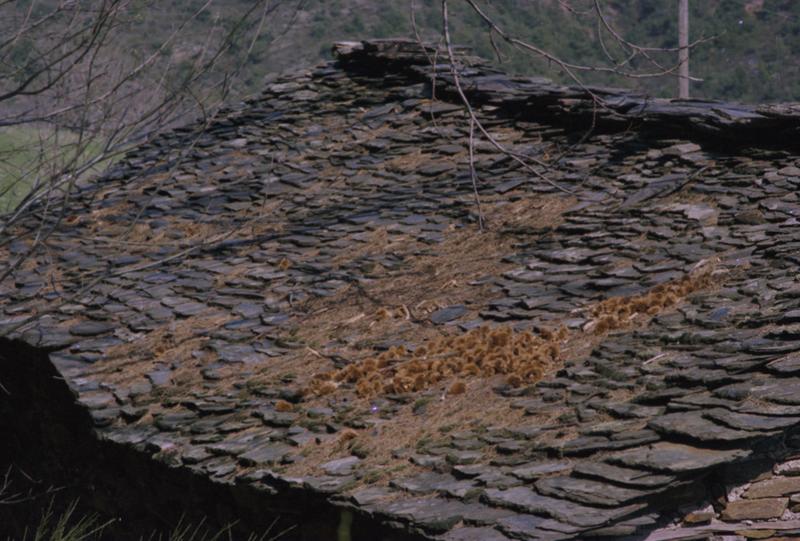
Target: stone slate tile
{"type": "Point", "coordinates": [744, 421]}
{"type": "Point", "coordinates": [765, 346]}
{"type": "Point", "coordinates": [173, 421]}
{"type": "Point", "coordinates": [91, 328]}
{"type": "Point", "coordinates": [159, 378]}
{"type": "Point", "coordinates": [329, 484]}
{"type": "Point", "coordinates": [699, 426]}
{"type": "Point", "coordinates": [585, 445]}
{"type": "Point", "coordinates": [767, 508]}
{"type": "Point", "coordinates": [527, 527]}
{"type": "Point", "coordinates": [627, 410]}
{"type": "Point", "coordinates": [622, 476]}
{"type": "Point", "coordinates": [473, 534]}
{"type": "Point", "coordinates": [484, 515]}
{"type": "Point", "coordinates": [49, 338]}
{"type": "Point", "coordinates": [430, 482]}
{"type": "Point", "coordinates": [762, 408]}
{"type": "Point", "coordinates": [702, 400]}
{"type": "Point", "coordinates": [526, 500]}
{"type": "Point", "coordinates": [535, 470]}
{"type": "Point", "coordinates": [341, 466]}
{"type": "Point", "coordinates": [773, 488]}
{"type": "Point", "coordinates": [675, 458]}
{"type": "Point", "coordinates": [787, 365]}
{"type": "Point", "coordinates": [240, 353]}
{"type": "Point", "coordinates": [588, 491]}
{"type": "Point", "coordinates": [435, 168]}
{"type": "Point", "coordinates": [435, 515]}
{"type": "Point", "coordinates": [104, 417]}
{"type": "Point", "coordinates": [370, 495]}
{"type": "Point", "coordinates": [265, 454]}
{"type": "Point", "coordinates": [784, 391]}
{"type": "Point", "coordinates": [448, 314]}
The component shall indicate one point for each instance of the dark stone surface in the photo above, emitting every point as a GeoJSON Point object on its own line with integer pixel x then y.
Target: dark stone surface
{"type": "Point", "coordinates": [588, 491]}
{"type": "Point", "coordinates": [445, 315]}
{"type": "Point", "coordinates": [525, 499]}
{"type": "Point", "coordinates": [699, 426]}
{"type": "Point", "coordinates": [622, 476]}
{"type": "Point", "coordinates": [474, 534]}
{"type": "Point", "coordinates": [91, 328]}
{"type": "Point", "coordinates": [675, 458]}
{"type": "Point", "coordinates": [184, 359]}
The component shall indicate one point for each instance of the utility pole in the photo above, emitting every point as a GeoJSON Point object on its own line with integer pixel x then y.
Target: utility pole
{"type": "Point", "coordinates": [683, 53]}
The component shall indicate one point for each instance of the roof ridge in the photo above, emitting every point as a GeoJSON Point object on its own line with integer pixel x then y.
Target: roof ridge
{"type": "Point", "coordinates": [606, 108]}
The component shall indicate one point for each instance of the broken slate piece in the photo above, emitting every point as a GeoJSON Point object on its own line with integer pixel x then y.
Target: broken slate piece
{"type": "Point", "coordinates": [448, 314]}
{"type": "Point", "coordinates": [91, 328]}
{"type": "Point", "coordinates": [675, 457]}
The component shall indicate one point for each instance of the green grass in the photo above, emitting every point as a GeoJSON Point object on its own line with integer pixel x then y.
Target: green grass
{"type": "Point", "coordinates": [47, 518]}
{"type": "Point", "coordinates": [17, 153]}
{"type": "Point", "coordinates": [68, 526]}
{"type": "Point", "coordinates": [65, 527]}
{"type": "Point", "coordinates": [31, 153]}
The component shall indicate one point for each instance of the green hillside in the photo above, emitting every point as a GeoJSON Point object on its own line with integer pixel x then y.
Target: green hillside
{"type": "Point", "coordinates": [753, 56]}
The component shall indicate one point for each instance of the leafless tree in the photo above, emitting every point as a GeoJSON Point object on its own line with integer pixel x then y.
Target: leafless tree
{"type": "Point", "coordinates": [619, 52]}
{"type": "Point", "coordinates": [73, 99]}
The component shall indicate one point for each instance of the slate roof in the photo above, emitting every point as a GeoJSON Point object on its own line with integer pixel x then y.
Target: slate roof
{"type": "Point", "coordinates": [213, 273]}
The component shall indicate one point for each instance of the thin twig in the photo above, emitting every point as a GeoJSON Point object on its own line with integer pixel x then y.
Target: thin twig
{"type": "Point", "coordinates": [457, 82]}
{"type": "Point", "coordinates": [474, 174]}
